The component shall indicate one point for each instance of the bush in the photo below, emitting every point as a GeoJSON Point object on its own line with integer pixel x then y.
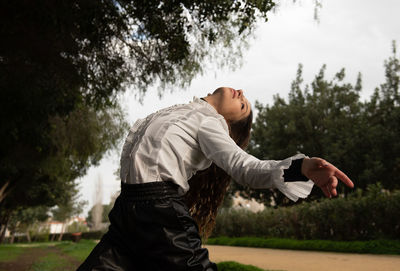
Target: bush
{"type": "Point", "coordinates": [93, 235]}
{"type": "Point", "coordinates": [234, 266]}
{"type": "Point", "coordinates": [368, 215]}
{"type": "Point", "coordinates": [77, 227]}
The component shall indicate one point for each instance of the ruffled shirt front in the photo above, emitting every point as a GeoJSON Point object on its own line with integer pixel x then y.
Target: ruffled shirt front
{"type": "Point", "coordinates": [176, 142]}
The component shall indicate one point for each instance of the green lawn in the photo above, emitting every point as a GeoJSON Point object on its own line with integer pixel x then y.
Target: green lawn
{"type": "Point", "coordinates": [79, 251]}
{"type": "Point", "coordinates": [67, 255]}
{"type": "Point", "coordinates": [9, 253]}
{"type": "Point", "coordinates": [50, 262]}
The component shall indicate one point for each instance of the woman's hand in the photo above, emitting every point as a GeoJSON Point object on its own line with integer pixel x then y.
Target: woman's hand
{"type": "Point", "coordinates": [324, 175]}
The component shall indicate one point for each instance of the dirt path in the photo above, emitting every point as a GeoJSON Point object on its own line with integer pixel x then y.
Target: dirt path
{"type": "Point", "coordinates": [292, 260]}
{"type": "Point", "coordinates": [25, 260]}
{"type": "Point", "coordinates": [31, 255]}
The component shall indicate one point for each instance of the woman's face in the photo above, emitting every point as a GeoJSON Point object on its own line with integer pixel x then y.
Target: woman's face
{"type": "Point", "coordinates": [231, 104]}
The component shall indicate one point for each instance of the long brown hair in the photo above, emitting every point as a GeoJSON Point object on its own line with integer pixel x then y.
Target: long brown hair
{"type": "Point", "coordinates": [208, 187]}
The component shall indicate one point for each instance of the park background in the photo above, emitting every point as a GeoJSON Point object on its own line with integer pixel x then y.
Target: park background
{"type": "Point", "coordinates": [355, 35]}
{"type": "Point", "coordinates": [355, 127]}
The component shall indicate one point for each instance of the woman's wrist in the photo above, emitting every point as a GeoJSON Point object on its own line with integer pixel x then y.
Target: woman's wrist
{"type": "Point", "coordinates": [305, 166]}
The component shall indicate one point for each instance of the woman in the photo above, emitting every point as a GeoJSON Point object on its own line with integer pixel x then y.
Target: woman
{"type": "Point", "coordinates": [175, 168]}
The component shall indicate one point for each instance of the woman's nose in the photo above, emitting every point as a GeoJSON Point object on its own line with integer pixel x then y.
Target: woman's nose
{"type": "Point", "coordinates": [240, 91]}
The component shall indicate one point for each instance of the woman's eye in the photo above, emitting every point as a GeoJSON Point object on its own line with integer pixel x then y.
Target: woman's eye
{"type": "Point", "coordinates": [242, 106]}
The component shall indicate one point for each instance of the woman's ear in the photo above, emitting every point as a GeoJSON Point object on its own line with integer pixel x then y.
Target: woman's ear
{"type": "Point", "coordinates": [209, 94]}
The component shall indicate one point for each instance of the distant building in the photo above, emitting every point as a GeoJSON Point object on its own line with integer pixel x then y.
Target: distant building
{"type": "Point", "coordinates": [58, 227]}
{"type": "Point", "coordinates": [242, 203]}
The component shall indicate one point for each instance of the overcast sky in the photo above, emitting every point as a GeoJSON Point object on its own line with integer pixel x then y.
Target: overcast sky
{"type": "Point", "coordinates": [354, 34]}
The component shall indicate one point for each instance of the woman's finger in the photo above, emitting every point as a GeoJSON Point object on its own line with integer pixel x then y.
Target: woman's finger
{"type": "Point", "coordinates": [326, 191]}
{"type": "Point", "coordinates": [343, 177]}
{"type": "Point", "coordinates": [333, 182]}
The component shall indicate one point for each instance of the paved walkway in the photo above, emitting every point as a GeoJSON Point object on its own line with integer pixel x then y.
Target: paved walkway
{"type": "Point", "coordinates": [293, 260]}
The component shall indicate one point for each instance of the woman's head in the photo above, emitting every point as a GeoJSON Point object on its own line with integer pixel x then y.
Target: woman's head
{"type": "Point", "coordinates": [236, 109]}
{"type": "Point", "coordinates": [230, 103]}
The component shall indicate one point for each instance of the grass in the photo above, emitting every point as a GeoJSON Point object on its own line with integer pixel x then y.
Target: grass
{"type": "Point", "coordinates": [9, 253]}
{"type": "Point", "coordinates": [51, 262]}
{"type": "Point", "coordinates": [81, 250]}
{"type": "Point", "coordinates": [77, 250]}
{"type": "Point", "coordinates": [371, 247]}
{"type": "Point", "coordinates": [234, 266]}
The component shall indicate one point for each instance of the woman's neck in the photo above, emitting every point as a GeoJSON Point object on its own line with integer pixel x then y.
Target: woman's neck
{"type": "Point", "coordinates": [209, 99]}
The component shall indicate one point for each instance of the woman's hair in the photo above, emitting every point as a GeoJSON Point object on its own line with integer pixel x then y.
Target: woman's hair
{"type": "Point", "coordinates": [208, 187]}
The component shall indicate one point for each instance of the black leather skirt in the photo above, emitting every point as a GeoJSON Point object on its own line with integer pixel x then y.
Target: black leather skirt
{"type": "Point", "coordinates": [151, 229]}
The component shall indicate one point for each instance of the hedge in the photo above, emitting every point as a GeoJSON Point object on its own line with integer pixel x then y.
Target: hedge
{"type": "Point", "coordinates": [371, 215]}
{"type": "Point", "coordinates": [93, 235]}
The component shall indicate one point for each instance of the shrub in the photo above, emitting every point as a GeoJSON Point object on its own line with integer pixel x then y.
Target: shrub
{"type": "Point", "coordinates": [234, 266]}
{"type": "Point", "coordinates": [372, 214]}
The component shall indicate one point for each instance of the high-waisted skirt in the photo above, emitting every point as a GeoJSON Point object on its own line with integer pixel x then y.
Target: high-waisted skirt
{"type": "Point", "coordinates": [151, 229]}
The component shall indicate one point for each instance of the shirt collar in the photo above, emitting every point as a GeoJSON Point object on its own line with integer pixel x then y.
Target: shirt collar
{"type": "Point", "coordinates": [207, 105]}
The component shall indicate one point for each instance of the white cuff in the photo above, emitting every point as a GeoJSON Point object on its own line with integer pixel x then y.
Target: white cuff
{"type": "Point", "coordinates": [292, 190]}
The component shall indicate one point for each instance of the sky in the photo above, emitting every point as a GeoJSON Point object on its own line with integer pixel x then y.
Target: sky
{"type": "Point", "coordinates": [353, 34]}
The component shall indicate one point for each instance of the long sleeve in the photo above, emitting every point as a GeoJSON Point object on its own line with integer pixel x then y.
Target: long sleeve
{"type": "Point", "coordinates": [218, 146]}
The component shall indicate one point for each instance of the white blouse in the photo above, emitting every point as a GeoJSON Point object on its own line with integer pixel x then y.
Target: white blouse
{"type": "Point", "coordinates": [175, 142]}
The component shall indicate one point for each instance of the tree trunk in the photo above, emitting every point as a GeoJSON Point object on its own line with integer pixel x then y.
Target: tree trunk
{"type": "Point", "coordinates": [62, 232]}
{"type": "Point", "coordinates": [12, 237]}
{"type": "Point", "coordinates": [3, 192]}
{"type": "Point", "coordinates": [28, 236]}
{"type": "Point", "coordinates": [4, 224]}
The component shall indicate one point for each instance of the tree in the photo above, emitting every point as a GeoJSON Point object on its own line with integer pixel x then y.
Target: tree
{"type": "Point", "coordinates": [104, 217]}
{"type": "Point", "coordinates": [382, 117]}
{"type": "Point", "coordinates": [106, 208]}
{"type": "Point", "coordinates": [79, 141]}
{"type": "Point", "coordinates": [331, 122]}
{"type": "Point", "coordinates": [97, 210]}
{"type": "Point", "coordinates": [22, 220]}
{"type": "Point", "coordinates": [67, 60]}
{"type": "Point", "coordinates": [322, 122]}
{"type": "Point", "coordinates": [66, 210]}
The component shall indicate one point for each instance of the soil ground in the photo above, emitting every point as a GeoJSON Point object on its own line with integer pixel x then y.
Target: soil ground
{"type": "Point", "coordinates": [293, 260]}
{"type": "Point", "coordinates": [31, 255]}
{"type": "Point", "coordinates": [272, 259]}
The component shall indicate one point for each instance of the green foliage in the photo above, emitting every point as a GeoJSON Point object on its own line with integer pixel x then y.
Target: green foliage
{"type": "Point", "coordinates": [327, 119]}
{"type": "Point", "coordinates": [106, 210]}
{"type": "Point", "coordinates": [26, 220]}
{"type": "Point", "coordinates": [371, 247]}
{"type": "Point", "coordinates": [62, 65]}
{"type": "Point", "coordinates": [362, 216]}
{"type": "Point", "coordinates": [96, 235]}
{"type": "Point", "coordinates": [45, 237]}
{"type": "Point", "coordinates": [77, 227]}
{"type": "Point", "coordinates": [234, 266]}
{"type": "Point", "coordinates": [67, 209]}
{"type": "Point", "coordinates": [382, 119]}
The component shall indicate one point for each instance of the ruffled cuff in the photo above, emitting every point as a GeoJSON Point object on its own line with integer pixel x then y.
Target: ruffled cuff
{"type": "Point", "coordinates": [293, 190]}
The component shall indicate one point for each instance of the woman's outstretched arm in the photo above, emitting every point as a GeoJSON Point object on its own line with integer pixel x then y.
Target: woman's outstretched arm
{"type": "Point", "coordinates": [246, 169]}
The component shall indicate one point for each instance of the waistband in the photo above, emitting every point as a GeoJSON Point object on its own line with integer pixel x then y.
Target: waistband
{"type": "Point", "coordinates": [149, 191]}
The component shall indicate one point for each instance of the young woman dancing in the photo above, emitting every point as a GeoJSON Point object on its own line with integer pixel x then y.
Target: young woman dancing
{"type": "Point", "coordinates": [176, 166]}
